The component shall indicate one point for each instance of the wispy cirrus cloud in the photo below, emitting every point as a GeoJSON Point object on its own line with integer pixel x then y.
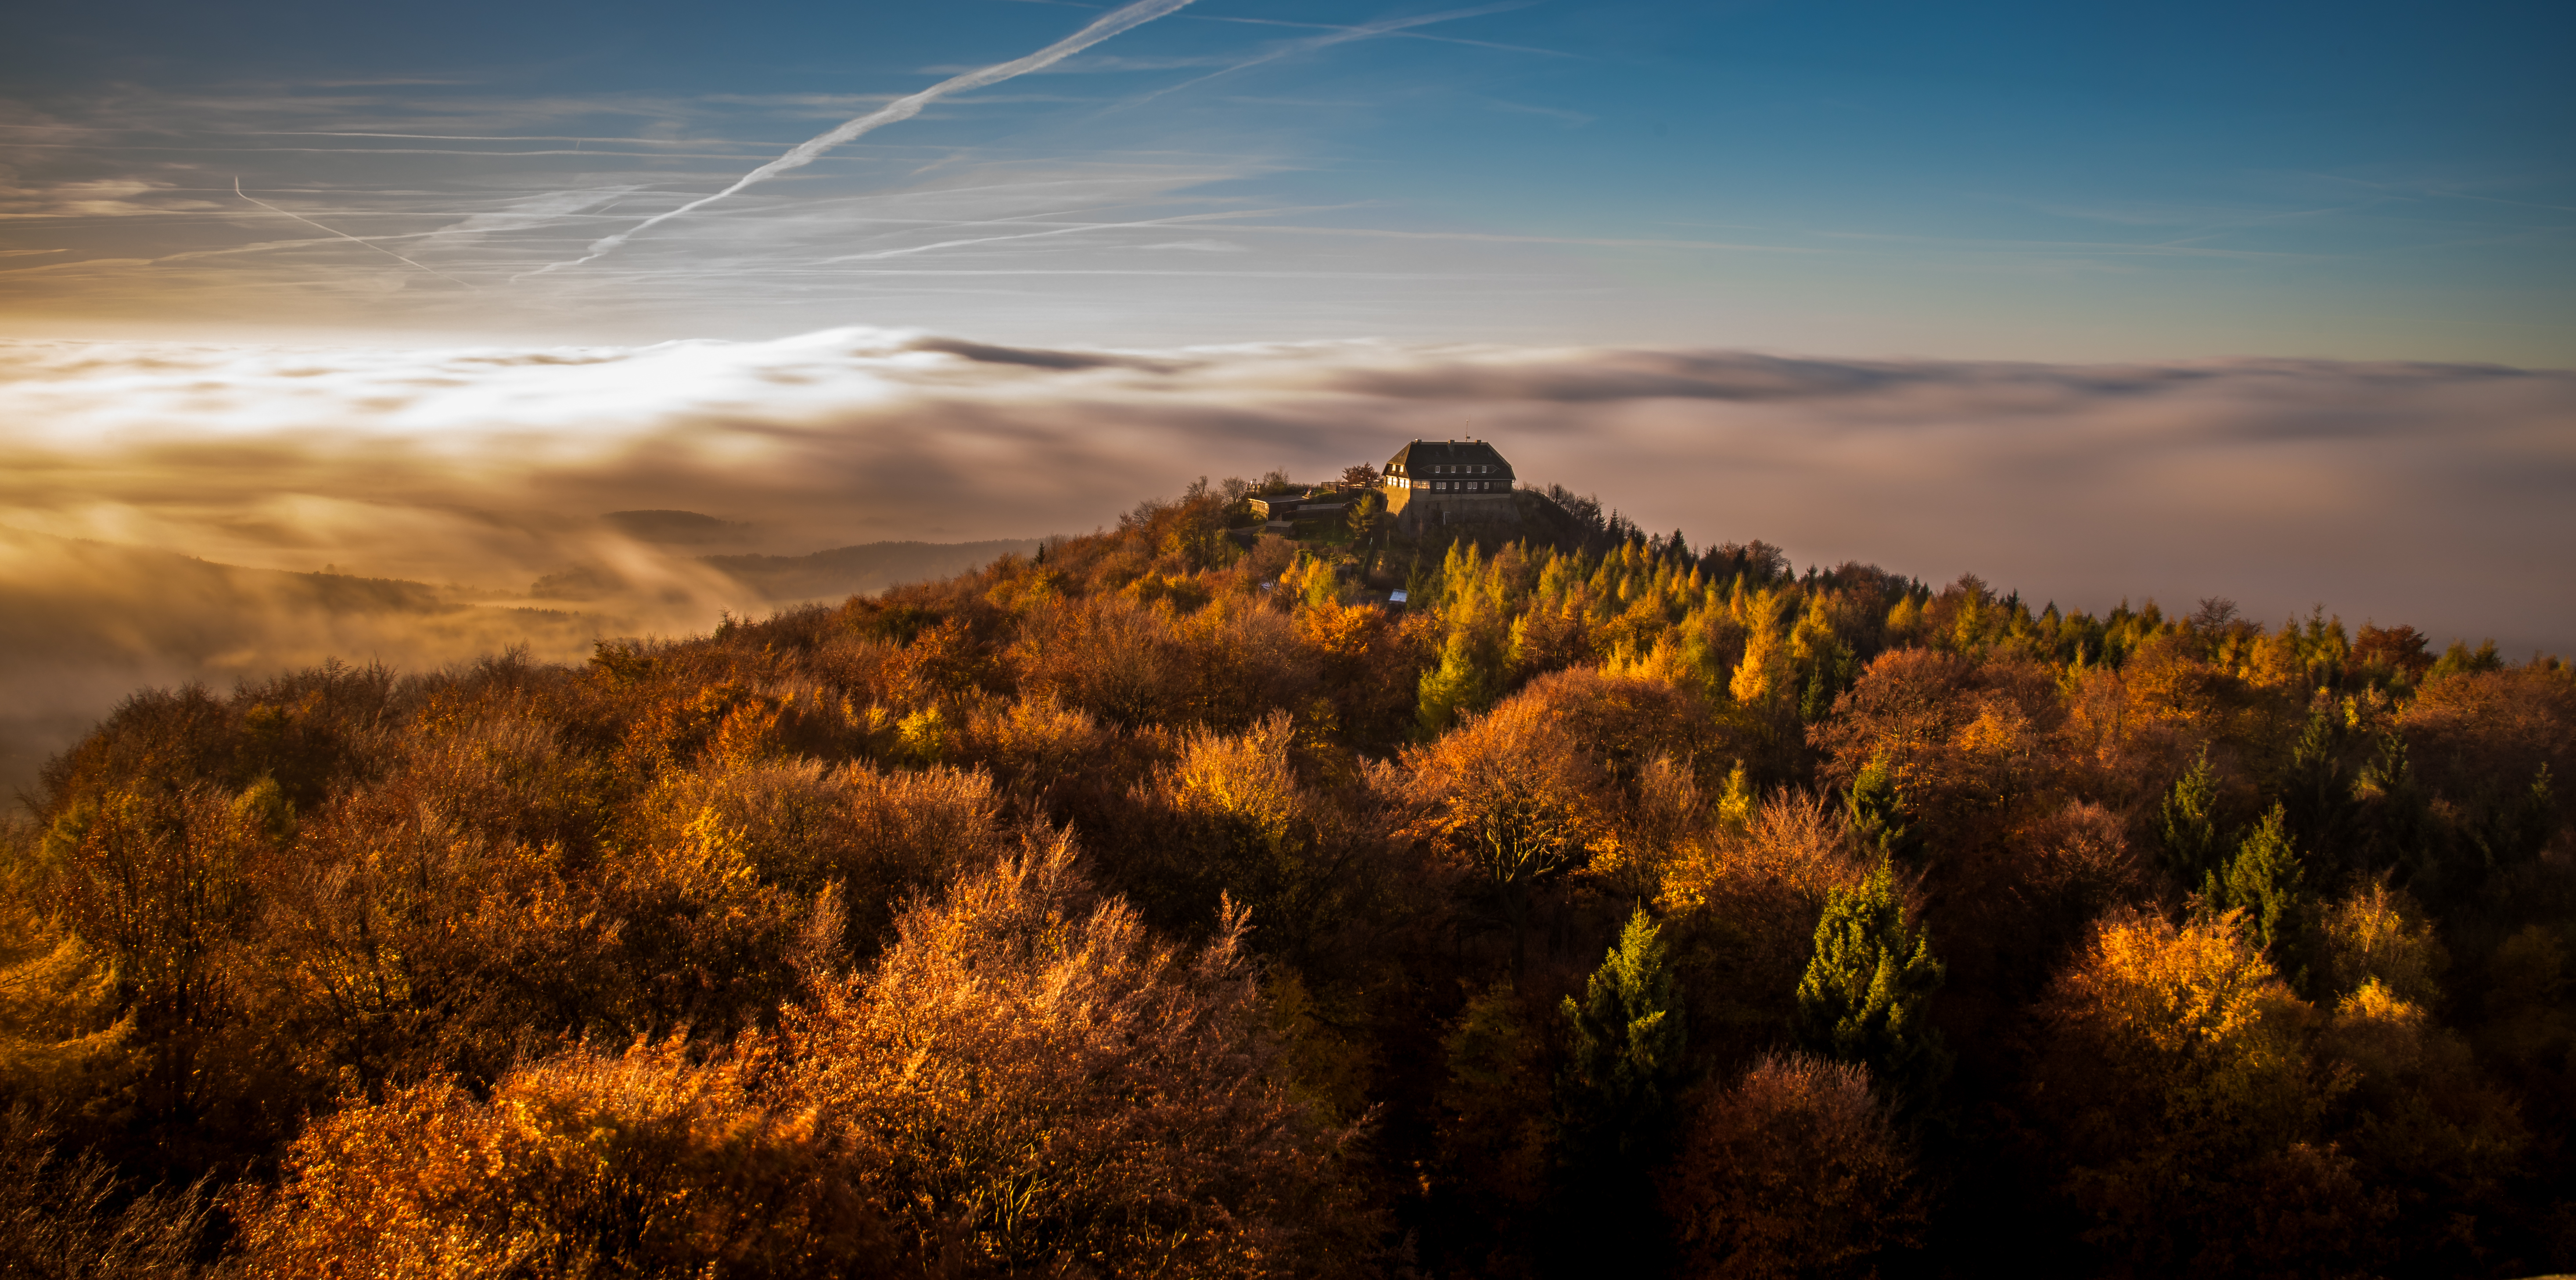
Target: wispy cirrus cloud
{"type": "Point", "coordinates": [1404, 31]}
{"type": "Point", "coordinates": [904, 108]}
{"type": "Point", "coordinates": [445, 182]}
{"type": "Point", "coordinates": [483, 190]}
{"type": "Point", "coordinates": [1325, 38]}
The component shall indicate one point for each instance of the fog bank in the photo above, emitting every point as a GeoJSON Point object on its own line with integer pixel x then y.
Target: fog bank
{"type": "Point", "coordinates": [2430, 494]}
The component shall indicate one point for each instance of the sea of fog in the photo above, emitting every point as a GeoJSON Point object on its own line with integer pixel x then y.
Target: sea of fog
{"type": "Point", "coordinates": [172, 512]}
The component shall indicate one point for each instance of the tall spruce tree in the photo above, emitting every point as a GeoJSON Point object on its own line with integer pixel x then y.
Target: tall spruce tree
{"type": "Point", "coordinates": [1460, 685]}
{"type": "Point", "coordinates": [1616, 1099]}
{"type": "Point", "coordinates": [2317, 801]}
{"type": "Point", "coordinates": [2513, 822]}
{"type": "Point", "coordinates": [1735, 806]}
{"type": "Point", "coordinates": [2263, 877]}
{"type": "Point", "coordinates": [2188, 826]}
{"type": "Point", "coordinates": [1875, 808]}
{"type": "Point", "coordinates": [1865, 995]}
{"type": "Point", "coordinates": [2398, 830]}
{"type": "Point", "coordinates": [2265, 881]}
{"type": "Point", "coordinates": [1627, 1038]}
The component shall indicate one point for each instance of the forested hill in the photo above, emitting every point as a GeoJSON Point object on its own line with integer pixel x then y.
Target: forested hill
{"type": "Point", "coordinates": [1161, 904]}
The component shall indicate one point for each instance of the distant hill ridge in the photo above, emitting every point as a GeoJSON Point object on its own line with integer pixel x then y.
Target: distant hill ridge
{"type": "Point", "coordinates": [866, 567]}
{"type": "Point", "coordinates": [83, 622]}
{"type": "Point", "coordinates": [680, 527]}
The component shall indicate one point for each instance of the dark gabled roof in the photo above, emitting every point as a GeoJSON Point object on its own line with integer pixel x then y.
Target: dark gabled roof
{"type": "Point", "coordinates": [1448, 453]}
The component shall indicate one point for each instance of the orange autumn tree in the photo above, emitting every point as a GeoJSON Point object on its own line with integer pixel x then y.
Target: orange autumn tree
{"type": "Point", "coordinates": [2188, 1105]}
{"type": "Point", "coordinates": [1023, 1080]}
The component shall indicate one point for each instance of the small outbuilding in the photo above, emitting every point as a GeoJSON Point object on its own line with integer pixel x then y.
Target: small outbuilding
{"type": "Point", "coordinates": [1314, 504]}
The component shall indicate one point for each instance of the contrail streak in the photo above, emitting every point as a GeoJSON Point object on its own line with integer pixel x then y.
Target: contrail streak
{"type": "Point", "coordinates": [804, 153]}
{"type": "Point", "coordinates": [1040, 235]}
{"type": "Point", "coordinates": [237, 190]}
{"type": "Point", "coordinates": [1334, 36]}
{"type": "Point", "coordinates": [1409, 35]}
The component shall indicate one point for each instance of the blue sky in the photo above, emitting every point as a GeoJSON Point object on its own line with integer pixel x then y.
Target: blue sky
{"type": "Point", "coordinates": [2026, 181]}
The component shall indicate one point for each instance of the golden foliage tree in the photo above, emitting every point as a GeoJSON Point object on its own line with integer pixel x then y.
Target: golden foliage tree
{"type": "Point", "coordinates": [1517, 799]}
{"type": "Point", "coordinates": [1027, 1071]}
{"type": "Point", "coordinates": [2188, 1106]}
{"type": "Point", "coordinates": [644, 1162]}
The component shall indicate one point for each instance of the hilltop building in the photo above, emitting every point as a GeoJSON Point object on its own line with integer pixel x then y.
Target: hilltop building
{"type": "Point", "coordinates": [1433, 482]}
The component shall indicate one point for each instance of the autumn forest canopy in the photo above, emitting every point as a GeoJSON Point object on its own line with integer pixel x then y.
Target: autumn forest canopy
{"type": "Point", "coordinates": [1166, 902]}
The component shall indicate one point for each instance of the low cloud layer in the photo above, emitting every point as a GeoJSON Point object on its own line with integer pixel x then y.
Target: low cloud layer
{"type": "Point", "coordinates": [2428, 494]}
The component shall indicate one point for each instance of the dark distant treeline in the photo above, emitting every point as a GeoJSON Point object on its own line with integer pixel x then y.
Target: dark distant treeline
{"type": "Point", "coordinates": [1155, 905]}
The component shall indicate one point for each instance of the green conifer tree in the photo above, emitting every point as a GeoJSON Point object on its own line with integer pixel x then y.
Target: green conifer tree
{"type": "Point", "coordinates": [2188, 825]}
{"type": "Point", "coordinates": [2398, 829]}
{"type": "Point", "coordinates": [1866, 993]}
{"type": "Point", "coordinates": [2264, 881]}
{"type": "Point", "coordinates": [2509, 825]}
{"type": "Point", "coordinates": [1456, 687]}
{"type": "Point", "coordinates": [1875, 807]}
{"type": "Point", "coordinates": [1365, 516]}
{"type": "Point", "coordinates": [1616, 1100]}
{"type": "Point", "coordinates": [1627, 1039]}
{"type": "Point", "coordinates": [1828, 669]}
{"type": "Point", "coordinates": [2539, 807]}
{"type": "Point", "coordinates": [2317, 790]}
{"type": "Point", "coordinates": [1735, 807]}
